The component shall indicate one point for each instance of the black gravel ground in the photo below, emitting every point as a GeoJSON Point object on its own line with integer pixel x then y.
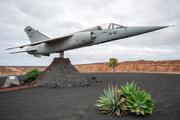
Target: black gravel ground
{"type": "Point", "coordinates": [77, 103]}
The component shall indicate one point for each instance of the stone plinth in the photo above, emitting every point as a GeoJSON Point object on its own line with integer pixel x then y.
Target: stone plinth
{"type": "Point", "coordinates": [11, 79]}
{"type": "Point", "coordinates": [60, 73]}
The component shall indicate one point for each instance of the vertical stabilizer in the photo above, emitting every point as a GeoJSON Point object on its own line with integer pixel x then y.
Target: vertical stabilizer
{"type": "Point", "coordinates": [35, 35]}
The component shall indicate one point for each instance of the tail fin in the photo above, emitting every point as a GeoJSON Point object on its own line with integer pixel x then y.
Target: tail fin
{"type": "Point", "coordinates": [35, 35]}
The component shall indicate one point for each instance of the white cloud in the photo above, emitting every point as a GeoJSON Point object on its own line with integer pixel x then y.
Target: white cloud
{"type": "Point", "coordinates": [60, 17]}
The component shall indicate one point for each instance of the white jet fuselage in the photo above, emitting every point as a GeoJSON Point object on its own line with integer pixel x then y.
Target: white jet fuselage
{"type": "Point", "coordinates": [43, 45]}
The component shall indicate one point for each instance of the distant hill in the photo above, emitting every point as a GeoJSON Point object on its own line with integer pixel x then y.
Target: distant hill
{"type": "Point", "coordinates": [18, 70]}
{"type": "Point", "coordinates": [167, 66]}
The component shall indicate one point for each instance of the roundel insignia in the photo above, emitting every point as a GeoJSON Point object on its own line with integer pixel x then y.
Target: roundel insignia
{"type": "Point", "coordinates": [77, 38]}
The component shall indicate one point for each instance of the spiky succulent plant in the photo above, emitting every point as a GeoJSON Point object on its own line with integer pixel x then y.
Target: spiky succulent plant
{"type": "Point", "coordinates": [140, 102]}
{"type": "Point", "coordinates": [128, 89]}
{"type": "Point", "coordinates": [112, 102]}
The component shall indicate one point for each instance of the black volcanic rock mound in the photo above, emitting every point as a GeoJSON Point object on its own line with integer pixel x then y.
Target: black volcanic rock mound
{"type": "Point", "coordinates": [60, 73]}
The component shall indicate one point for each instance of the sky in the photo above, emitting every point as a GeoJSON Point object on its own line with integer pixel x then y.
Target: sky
{"type": "Point", "coordinates": [56, 18]}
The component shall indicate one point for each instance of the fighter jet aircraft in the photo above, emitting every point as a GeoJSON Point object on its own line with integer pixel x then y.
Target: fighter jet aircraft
{"type": "Point", "coordinates": [43, 45]}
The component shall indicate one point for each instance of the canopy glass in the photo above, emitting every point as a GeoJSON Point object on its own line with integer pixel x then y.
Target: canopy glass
{"type": "Point", "coordinates": [109, 26]}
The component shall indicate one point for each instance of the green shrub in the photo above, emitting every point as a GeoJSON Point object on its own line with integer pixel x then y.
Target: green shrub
{"type": "Point", "coordinates": [128, 89]}
{"type": "Point", "coordinates": [33, 74]}
{"type": "Point", "coordinates": [112, 102]}
{"type": "Point", "coordinates": [125, 100]}
{"type": "Point", "coordinates": [140, 102]}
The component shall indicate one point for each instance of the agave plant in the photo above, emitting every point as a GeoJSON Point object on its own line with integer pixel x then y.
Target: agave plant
{"type": "Point", "coordinates": [140, 102]}
{"type": "Point", "coordinates": [128, 89]}
{"type": "Point", "coordinates": [112, 102]}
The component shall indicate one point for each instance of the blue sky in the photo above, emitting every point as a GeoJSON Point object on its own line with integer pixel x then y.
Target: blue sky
{"type": "Point", "coordinates": [60, 17]}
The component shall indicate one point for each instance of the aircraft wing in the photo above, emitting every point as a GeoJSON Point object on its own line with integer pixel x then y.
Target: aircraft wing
{"type": "Point", "coordinates": [44, 41]}
{"type": "Point", "coordinates": [23, 51]}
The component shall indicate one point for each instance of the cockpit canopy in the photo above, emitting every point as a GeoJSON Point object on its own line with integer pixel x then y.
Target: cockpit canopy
{"type": "Point", "coordinates": [109, 26]}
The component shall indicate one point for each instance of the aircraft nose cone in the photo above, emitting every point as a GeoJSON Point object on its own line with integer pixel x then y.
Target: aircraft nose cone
{"type": "Point", "coordinates": [136, 30]}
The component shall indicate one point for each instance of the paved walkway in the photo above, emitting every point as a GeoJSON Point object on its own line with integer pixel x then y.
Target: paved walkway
{"type": "Point", "coordinates": [13, 88]}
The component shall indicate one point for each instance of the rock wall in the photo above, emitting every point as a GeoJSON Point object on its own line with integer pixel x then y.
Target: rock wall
{"type": "Point", "coordinates": [135, 66]}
